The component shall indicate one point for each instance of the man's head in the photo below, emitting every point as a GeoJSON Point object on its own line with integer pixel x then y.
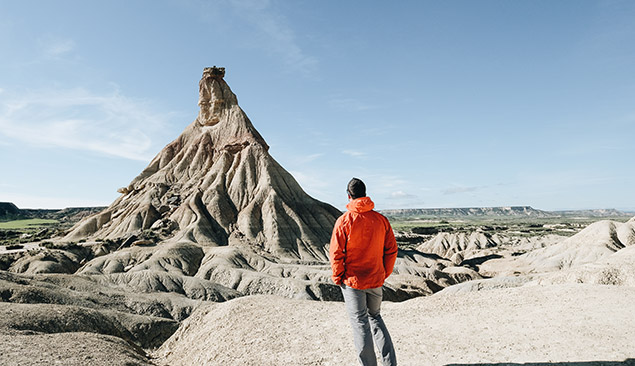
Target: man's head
{"type": "Point", "coordinates": [356, 188]}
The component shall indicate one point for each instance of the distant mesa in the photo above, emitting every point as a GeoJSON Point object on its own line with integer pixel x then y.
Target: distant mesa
{"type": "Point", "coordinates": [501, 211]}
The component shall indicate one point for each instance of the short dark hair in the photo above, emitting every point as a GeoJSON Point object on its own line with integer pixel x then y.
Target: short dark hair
{"type": "Point", "coordinates": [356, 188]}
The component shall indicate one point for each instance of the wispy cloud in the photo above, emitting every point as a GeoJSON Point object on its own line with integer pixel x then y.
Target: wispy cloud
{"type": "Point", "coordinates": [460, 189]}
{"type": "Point", "coordinates": [389, 182]}
{"type": "Point", "coordinates": [400, 195]}
{"type": "Point", "coordinates": [321, 186]}
{"type": "Point", "coordinates": [279, 38]}
{"type": "Point", "coordinates": [56, 47]}
{"type": "Point", "coordinates": [308, 158]}
{"type": "Point", "coordinates": [401, 199]}
{"type": "Point", "coordinates": [354, 153]}
{"type": "Point", "coordinates": [308, 179]}
{"type": "Point", "coordinates": [110, 124]}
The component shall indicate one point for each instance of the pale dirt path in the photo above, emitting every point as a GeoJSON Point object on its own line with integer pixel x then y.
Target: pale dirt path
{"type": "Point", "coordinates": [557, 323]}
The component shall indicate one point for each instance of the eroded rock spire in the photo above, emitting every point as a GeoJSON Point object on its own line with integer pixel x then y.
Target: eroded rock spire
{"type": "Point", "coordinates": [214, 96]}
{"type": "Point", "coordinates": [215, 185]}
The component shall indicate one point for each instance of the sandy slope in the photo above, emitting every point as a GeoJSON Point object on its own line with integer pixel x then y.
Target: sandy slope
{"type": "Point", "coordinates": [546, 324]}
{"type": "Point", "coordinates": [68, 349]}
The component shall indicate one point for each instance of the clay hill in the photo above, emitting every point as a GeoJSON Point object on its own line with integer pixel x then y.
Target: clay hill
{"type": "Point", "coordinates": [602, 241]}
{"type": "Point", "coordinates": [216, 184]}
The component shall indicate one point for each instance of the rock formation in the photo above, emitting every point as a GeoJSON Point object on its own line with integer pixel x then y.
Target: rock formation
{"type": "Point", "coordinates": [218, 185]}
{"type": "Point", "coordinates": [602, 253]}
{"type": "Point", "coordinates": [595, 242]}
{"type": "Point", "coordinates": [217, 208]}
{"type": "Point", "coordinates": [214, 216]}
{"type": "Point", "coordinates": [448, 244]}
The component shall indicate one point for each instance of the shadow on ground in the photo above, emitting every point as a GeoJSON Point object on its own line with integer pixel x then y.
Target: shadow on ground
{"type": "Point", "coordinates": [480, 260]}
{"type": "Point", "coordinates": [627, 362]}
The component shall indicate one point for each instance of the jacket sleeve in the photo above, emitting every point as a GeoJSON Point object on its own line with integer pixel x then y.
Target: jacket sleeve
{"type": "Point", "coordinates": [337, 252]}
{"type": "Point", "coordinates": [390, 250]}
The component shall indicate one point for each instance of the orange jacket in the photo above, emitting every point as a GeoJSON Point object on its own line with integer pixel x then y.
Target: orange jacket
{"type": "Point", "coordinates": [363, 248]}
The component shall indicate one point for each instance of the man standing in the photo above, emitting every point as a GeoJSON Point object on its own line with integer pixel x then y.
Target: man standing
{"type": "Point", "coordinates": [363, 251]}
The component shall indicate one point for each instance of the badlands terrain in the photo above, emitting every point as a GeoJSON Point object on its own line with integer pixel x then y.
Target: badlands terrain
{"type": "Point", "coordinates": [214, 255]}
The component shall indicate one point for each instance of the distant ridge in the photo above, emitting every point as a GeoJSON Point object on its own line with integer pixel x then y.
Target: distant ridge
{"type": "Point", "coordinates": [608, 212]}
{"type": "Point", "coordinates": [9, 211]}
{"type": "Point", "coordinates": [502, 211]}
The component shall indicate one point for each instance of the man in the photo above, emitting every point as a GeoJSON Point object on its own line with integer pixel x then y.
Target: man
{"type": "Point", "coordinates": [363, 251]}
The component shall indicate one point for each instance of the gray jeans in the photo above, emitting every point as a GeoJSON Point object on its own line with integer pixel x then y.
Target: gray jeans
{"type": "Point", "coordinates": [363, 310]}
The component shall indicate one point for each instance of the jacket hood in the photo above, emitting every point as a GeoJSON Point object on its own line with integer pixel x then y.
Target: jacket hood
{"type": "Point", "coordinates": [361, 204]}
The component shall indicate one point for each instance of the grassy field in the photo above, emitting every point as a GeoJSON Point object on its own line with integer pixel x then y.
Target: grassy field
{"type": "Point", "coordinates": [26, 224]}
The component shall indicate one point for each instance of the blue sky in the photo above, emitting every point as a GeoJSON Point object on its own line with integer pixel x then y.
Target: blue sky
{"type": "Point", "coordinates": [431, 103]}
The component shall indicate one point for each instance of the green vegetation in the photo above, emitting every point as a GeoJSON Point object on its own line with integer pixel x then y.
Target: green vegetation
{"type": "Point", "coordinates": [27, 230]}
{"type": "Point", "coordinates": [27, 224]}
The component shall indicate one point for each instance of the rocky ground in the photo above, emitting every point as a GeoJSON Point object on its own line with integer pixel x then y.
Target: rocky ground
{"type": "Point", "coordinates": [563, 300]}
{"type": "Point", "coordinates": [529, 324]}
{"type": "Point", "coordinates": [570, 324]}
